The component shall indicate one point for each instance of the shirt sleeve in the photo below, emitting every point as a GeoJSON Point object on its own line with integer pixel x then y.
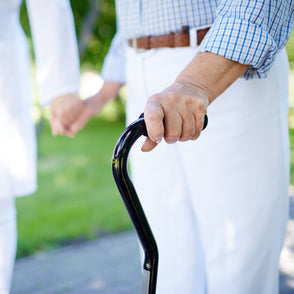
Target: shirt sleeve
{"type": "Point", "coordinates": [250, 32]}
{"type": "Point", "coordinates": [55, 48]}
{"type": "Point", "coordinates": [114, 63]}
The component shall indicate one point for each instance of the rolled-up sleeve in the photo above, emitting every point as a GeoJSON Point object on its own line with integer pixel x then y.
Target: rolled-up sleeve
{"type": "Point", "coordinates": [250, 32]}
{"type": "Point", "coordinates": [114, 62]}
{"type": "Point", "coordinates": [55, 48]}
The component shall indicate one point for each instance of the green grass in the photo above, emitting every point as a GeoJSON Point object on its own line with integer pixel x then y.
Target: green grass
{"type": "Point", "coordinates": [77, 197]}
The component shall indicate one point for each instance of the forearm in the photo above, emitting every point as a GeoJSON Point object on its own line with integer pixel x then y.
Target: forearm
{"type": "Point", "coordinates": [108, 91]}
{"type": "Point", "coordinates": [211, 73]}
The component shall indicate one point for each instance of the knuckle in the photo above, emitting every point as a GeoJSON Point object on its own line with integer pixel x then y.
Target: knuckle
{"type": "Point", "coordinates": [154, 98]}
{"type": "Point", "coordinates": [189, 101]}
{"type": "Point", "coordinates": [174, 98]}
{"type": "Point", "coordinates": [201, 105]}
{"type": "Point", "coordinates": [152, 115]}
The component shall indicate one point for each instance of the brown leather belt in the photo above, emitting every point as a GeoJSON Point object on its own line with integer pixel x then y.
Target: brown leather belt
{"type": "Point", "coordinates": [178, 39]}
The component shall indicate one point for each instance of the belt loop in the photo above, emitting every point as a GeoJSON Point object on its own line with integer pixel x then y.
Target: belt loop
{"type": "Point", "coordinates": [134, 43]}
{"type": "Point", "coordinates": [193, 37]}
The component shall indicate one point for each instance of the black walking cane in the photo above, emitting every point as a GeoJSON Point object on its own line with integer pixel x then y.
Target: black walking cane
{"type": "Point", "coordinates": [132, 203]}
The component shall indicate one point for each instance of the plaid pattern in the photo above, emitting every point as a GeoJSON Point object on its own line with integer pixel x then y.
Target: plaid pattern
{"type": "Point", "coordinates": [158, 17]}
{"type": "Point", "coordinates": [251, 32]}
{"type": "Point", "coordinates": [248, 31]}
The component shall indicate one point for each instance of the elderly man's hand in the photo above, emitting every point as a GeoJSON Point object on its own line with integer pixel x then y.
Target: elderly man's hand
{"type": "Point", "coordinates": [177, 113]}
{"type": "Point", "coordinates": [182, 106]}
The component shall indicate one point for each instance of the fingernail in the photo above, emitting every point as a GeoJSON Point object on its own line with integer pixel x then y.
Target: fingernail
{"type": "Point", "coordinates": [157, 140]}
{"type": "Point", "coordinates": [172, 140]}
{"type": "Point", "coordinates": [185, 139]}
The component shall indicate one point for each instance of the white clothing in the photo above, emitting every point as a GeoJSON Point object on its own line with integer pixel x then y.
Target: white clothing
{"type": "Point", "coordinates": [57, 72]}
{"type": "Point", "coordinates": [218, 206]}
{"type": "Point", "coordinates": [7, 242]}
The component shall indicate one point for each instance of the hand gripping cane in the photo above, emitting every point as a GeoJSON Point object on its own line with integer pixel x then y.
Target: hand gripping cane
{"type": "Point", "coordinates": [132, 203]}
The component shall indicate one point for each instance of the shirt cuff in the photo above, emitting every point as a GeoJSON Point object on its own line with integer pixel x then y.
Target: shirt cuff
{"type": "Point", "coordinates": [113, 69]}
{"type": "Point", "coordinates": [49, 95]}
{"type": "Point", "coordinates": [241, 41]}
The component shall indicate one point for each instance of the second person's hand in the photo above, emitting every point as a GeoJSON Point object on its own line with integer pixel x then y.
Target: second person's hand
{"type": "Point", "coordinates": [64, 111]}
{"type": "Point", "coordinates": [93, 105]}
{"type": "Point", "coordinates": [182, 106]}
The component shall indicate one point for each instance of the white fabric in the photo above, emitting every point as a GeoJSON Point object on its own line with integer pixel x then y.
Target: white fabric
{"type": "Point", "coordinates": [7, 242]}
{"type": "Point", "coordinates": [57, 63]}
{"type": "Point", "coordinates": [218, 205]}
{"type": "Point", "coordinates": [55, 46]}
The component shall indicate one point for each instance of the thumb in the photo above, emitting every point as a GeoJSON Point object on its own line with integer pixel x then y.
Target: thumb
{"type": "Point", "coordinates": [148, 145]}
{"type": "Point", "coordinates": [154, 114]}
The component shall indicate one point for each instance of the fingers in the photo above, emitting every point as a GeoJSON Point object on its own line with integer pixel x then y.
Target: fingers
{"type": "Point", "coordinates": [199, 121]}
{"type": "Point", "coordinates": [58, 128]}
{"type": "Point", "coordinates": [188, 127]}
{"type": "Point", "coordinates": [154, 115]}
{"type": "Point", "coordinates": [80, 121]}
{"type": "Point", "coordinates": [173, 126]}
{"type": "Point", "coordinates": [69, 114]}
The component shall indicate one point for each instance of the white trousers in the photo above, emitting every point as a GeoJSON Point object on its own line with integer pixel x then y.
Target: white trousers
{"type": "Point", "coordinates": [218, 206]}
{"type": "Point", "coordinates": [7, 242]}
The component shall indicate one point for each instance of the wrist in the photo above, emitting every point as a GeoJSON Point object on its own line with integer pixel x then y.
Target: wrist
{"type": "Point", "coordinates": [108, 91]}
{"type": "Point", "coordinates": [211, 73]}
{"type": "Point", "coordinates": [96, 102]}
{"type": "Point", "coordinates": [196, 88]}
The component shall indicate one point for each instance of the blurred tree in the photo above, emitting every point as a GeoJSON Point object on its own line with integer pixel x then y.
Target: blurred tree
{"type": "Point", "coordinates": [95, 27]}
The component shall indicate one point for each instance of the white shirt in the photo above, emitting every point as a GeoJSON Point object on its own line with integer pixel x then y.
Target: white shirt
{"type": "Point", "coordinates": [57, 73]}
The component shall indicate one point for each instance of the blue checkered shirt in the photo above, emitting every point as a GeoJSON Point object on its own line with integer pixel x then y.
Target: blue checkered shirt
{"type": "Point", "coordinates": [248, 31]}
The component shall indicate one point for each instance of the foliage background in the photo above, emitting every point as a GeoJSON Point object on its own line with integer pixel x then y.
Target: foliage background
{"type": "Point", "coordinates": [95, 27]}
